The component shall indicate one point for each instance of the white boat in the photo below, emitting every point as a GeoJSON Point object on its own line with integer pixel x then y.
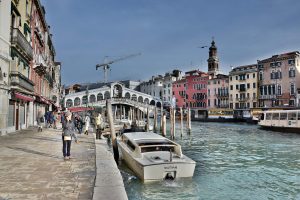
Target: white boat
{"type": "Point", "coordinates": [153, 157]}
{"type": "Point", "coordinates": [281, 120]}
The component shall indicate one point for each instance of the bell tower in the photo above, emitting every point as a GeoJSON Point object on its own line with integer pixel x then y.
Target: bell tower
{"type": "Point", "coordinates": [213, 60]}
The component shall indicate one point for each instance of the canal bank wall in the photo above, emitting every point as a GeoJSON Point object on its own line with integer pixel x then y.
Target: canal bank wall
{"type": "Point", "coordinates": [108, 182]}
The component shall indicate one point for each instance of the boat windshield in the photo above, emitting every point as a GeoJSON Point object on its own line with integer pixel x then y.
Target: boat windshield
{"type": "Point", "coordinates": [153, 142]}
{"type": "Point", "coordinates": [157, 148]}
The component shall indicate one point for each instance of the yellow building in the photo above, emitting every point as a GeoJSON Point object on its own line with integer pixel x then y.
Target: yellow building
{"type": "Point", "coordinates": [243, 88]}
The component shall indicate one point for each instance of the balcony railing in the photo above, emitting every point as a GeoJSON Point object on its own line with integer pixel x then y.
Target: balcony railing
{"type": "Point", "coordinates": [267, 97]}
{"type": "Point", "coordinates": [17, 79]}
{"type": "Point", "coordinates": [18, 40]}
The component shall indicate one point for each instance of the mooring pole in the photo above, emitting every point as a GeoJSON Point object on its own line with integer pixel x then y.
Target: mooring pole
{"type": "Point", "coordinates": [112, 131]}
{"type": "Point", "coordinates": [174, 122]}
{"type": "Point", "coordinates": [148, 120]}
{"type": "Point", "coordinates": [161, 118]}
{"type": "Point", "coordinates": [164, 123]}
{"type": "Point", "coordinates": [155, 120]}
{"type": "Point", "coordinates": [189, 121]}
{"type": "Point", "coordinates": [181, 122]}
{"type": "Point", "coordinates": [171, 123]}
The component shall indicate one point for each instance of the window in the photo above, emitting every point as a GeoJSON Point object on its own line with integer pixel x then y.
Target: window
{"type": "Point", "coordinates": [236, 77]}
{"type": "Point", "coordinates": [261, 74]}
{"type": "Point", "coordinates": [230, 78]}
{"type": "Point", "coordinates": [292, 88]}
{"type": "Point", "coordinates": [279, 89]}
{"type": "Point", "coordinates": [291, 62]}
{"type": "Point", "coordinates": [253, 75]}
{"type": "Point", "coordinates": [130, 145]}
{"type": "Point", "coordinates": [208, 102]}
{"type": "Point", "coordinates": [247, 76]}
{"type": "Point", "coordinates": [275, 116]}
{"type": "Point", "coordinates": [208, 92]}
{"type": "Point", "coordinates": [298, 115]}
{"type": "Point", "coordinates": [248, 85]}
{"type": "Point", "coordinates": [254, 85]}
{"type": "Point", "coordinates": [254, 96]}
{"type": "Point", "coordinates": [292, 72]}
{"type": "Point", "coordinates": [231, 87]}
{"type": "Point", "coordinates": [268, 116]}
{"type": "Point", "coordinates": [292, 116]}
{"type": "Point", "coordinates": [236, 87]}
{"type": "Point", "coordinates": [283, 116]}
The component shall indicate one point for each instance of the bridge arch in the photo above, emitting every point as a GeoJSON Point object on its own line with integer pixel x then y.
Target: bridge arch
{"type": "Point", "coordinates": [69, 103]}
{"type": "Point", "coordinates": [127, 95]}
{"type": "Point", "coordinates": [140, 99]}
{"type": "Point", "coordinates": [84, 99]}
{"type": "Point", "coordinates": [158, 104]}
{"type": "Point", "coordinates": [152, 102]}
{"type": "Point", "coordinates": [99, 96]}
{"type": "Point", "coordinates": [134, 97]}
{"type": "Point", "coordinates": [146, 101]}
{"type": "Point", "coordinates": [92, 98]}
{"type": "Point", "coordinates": [107, 95]}
{"type": "Point", "coordinates": [77, 101]}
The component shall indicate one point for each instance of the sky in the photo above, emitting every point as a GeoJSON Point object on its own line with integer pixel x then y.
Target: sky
{"type": "Point", "coordinates": [168, 34]}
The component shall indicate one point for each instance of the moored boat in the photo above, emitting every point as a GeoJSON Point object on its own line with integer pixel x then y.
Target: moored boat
{"type": "Point", "coordinates": [281, 120]}
{"type": "Point", "coordinates": [153, 157]}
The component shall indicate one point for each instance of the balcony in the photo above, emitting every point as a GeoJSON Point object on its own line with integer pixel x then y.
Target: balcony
{"type": "Point", "coordinates": [18, 80]}
{"type": "Point", "coordinates": [267, 97]}
{"type": "Point", "coordinates": [19, 41]}
{"type": "Point", "coordinates": [222, 95]}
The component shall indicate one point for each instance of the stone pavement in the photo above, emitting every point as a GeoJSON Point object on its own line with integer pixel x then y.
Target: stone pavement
{"type": "Point", "coordinates": [32, 167]}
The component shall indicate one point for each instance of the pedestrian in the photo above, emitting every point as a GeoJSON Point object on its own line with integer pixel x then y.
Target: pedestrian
{"type": "Point", "coordinates": [67, 135]}
{"type": "Point", "coordinates": [99, 122]}
{"type": "Point", "coordinates": [40, 120]}
{"type": "Point", "coordinates": [78, 123]}
{"type": "Point", "coordinates": [87, 124]}
{"type": "Point", "coordinates": [62, 119]}
{"type": "Point", "coordinates": [54, 119]}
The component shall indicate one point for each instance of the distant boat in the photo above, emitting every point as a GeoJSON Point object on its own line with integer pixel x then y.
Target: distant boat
{"type": "Point", "coordinates": [153, 157]}
{"type": "Point", "coordinates": [281, 120]}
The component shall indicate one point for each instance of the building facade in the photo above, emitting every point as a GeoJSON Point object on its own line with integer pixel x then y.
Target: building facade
{"type": "Point", "coordinates": [5, 13]}
{"type": "Point", "coordinates": [22, 88]}
{"type": "Point", "coordinates": [279, 78]}
{"type": "Point", "coordinates": [196, 89]}
{"type": "Point", "coordinates": [218, 92]}
{"type": "Point", "coordinates": [179, 92]}
{"type": "Point", "coordinates": [243, 87]}
{"type": "Point", "coordinates": [153, 87]}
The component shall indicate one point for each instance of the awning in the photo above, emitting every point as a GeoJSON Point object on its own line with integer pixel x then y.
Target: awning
{"type": "Point", "coordinates": [42, 99]}
{"type": "Point", "coordinates": [79, 109]}
{"type": "Point", "coordinates": [23, 97]}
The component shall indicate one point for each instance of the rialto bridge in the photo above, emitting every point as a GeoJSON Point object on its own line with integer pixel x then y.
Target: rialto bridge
{"type": "Point", "coordinates": [118, 95]}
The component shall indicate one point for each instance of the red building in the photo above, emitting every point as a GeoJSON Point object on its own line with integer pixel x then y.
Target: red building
{"type": "Point", "coordinates": [196, 89]}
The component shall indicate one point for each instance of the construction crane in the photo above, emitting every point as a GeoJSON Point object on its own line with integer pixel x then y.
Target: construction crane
{"type": "Point", "coordinates": [106, 64]}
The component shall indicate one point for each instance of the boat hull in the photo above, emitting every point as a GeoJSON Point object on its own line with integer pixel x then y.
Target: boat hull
{"type": "Point", "coordinates": [281, 129]}
{"type": "Point", "coordinates": [158, 171]}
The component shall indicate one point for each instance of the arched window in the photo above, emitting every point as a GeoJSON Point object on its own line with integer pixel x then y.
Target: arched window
{"type": "Point", "coordinates": [152, 102]}
{"type": "Point", "coordinates": [92, 98]}
{"type": "Point", "coordinates": [69, 103]}
{"type": "Point", "coordinates": [107, 95]}
{"type": "Point", "coordinates": [77, 101]}
{"type": "Point", "coordinates": [134, 97]}
{"type": "Point", "coordinates": [146, 101]}
{"type": "Point", "coordinates": [140, 99]}
{"type": "Point", "coordinates": [99, 96]}
{"type": "Point", "coordinates": [292, 72]}
{"type": "Point", "coordinates": [127, 95]}
{"type": "Point", "coordinates": [84, 99]}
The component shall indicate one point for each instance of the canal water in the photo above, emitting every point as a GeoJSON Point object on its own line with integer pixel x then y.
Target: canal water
{"type": "Point", "coordinates": [234, 161]}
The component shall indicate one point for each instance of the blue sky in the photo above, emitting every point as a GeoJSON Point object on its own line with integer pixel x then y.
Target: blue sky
{"type": "Point", "coordinates": [167, 33]}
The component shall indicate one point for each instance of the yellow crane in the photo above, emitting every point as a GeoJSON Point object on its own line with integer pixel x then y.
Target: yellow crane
{"type": "Point", "coordinates": [106, 64]}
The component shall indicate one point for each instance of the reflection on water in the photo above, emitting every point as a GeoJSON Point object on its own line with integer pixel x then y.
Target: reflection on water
{"type": "Point", "coordinates": [234, 161]}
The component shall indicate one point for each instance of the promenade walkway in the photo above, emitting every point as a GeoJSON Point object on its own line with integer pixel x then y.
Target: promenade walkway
{"type": "Point", "coordinates": [32, 167]}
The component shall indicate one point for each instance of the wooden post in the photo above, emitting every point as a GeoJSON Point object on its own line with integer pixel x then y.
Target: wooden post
{"type": "Point", "coordinates": [112, 131]}
{"type": "Point", "coordinates": [181, 122]}
{"type": "Point", "coordinates": [174, 122]}
{"type": "Point", "coordinates": [161, 117]}
{"type": "Point", "coordinates": [155, 120]}
{"type": "Point", "coordinates": [164, 123]}
{"type": "Point", "coordinates": [171, 124]}
{"type": "Point", "coordinates": [189, 128]}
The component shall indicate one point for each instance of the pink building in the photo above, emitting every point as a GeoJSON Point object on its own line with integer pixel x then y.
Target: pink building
{"type": "Point", "coordinates": [178, 88]}
{"type": "Point", "coordinates": [196, 89]}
